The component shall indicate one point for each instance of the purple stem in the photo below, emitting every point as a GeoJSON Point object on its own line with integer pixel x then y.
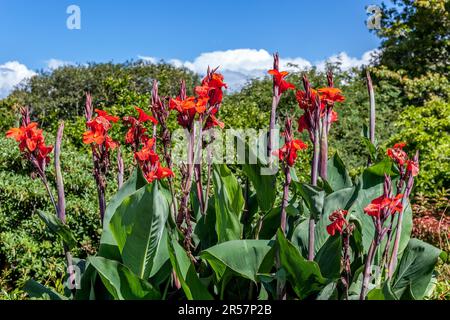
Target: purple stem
{"type": "Point", "coordinates": [287, 182]}
{"type": "Point", "coordinates": [61, 206]}
{"type": "Point", "coordinates": [314, 173]}
{"type": "Point", "coordinates": [273, 112]}
{"type": "Point", "coordinates": [208, 181]}
{"type": "Point", "coordinates": [398, 233]}
{"type": "Point", "coordinates": [324, 148]}
{"type": "Point", "coordinates": [368, 269]}
{"type": "Point", "coordinates": [372, 109]}
{"type": "Point", "coordinates": [59, 179]}
{"type": "Point", "coordinates": [120, 168]}
{"type": "Point", "coordinates": [198, 167]}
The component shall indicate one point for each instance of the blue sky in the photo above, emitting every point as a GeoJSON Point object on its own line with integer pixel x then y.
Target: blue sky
{"type": "Point", "coordinates": [34, 33]}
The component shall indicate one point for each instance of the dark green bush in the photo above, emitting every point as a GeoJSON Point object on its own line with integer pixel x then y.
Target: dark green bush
{"type": "Point", "coordinates": [427, 129]}
{"type": "Point", "coordinates": [27, 248]}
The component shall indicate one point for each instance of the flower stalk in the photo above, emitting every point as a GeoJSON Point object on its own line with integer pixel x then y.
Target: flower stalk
{"type": "Point", "coordinates": [33, 148]}
{"type": "Point", "coordinates": [380, 209]}
{"type": "Point", "coordinates": [161, 111]}
{"type": "Point", "coordinates": [394, 259]}
{"type": "Point", "coordinates": [120, 168]}
{"type": "Point", "coordinates": [324, 131]}
{"type": "Point", "coordinates": [273, 110]}
{"type": "Point", "coordinates": [101, 146]}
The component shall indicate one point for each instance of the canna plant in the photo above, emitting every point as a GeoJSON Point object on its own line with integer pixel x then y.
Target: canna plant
{"type": "Point", "coordinates": [170, 233]}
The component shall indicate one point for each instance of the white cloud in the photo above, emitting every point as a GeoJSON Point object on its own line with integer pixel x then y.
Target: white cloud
{"type": "Point", "coordinates": [11, 74]}
{"type": "Point", "coordinates": [53, 64]}
{"type": "Point", "coordinates": [148, 59]}
{"type": "Point", "coordinates": [240, 65]}
{"type": "Point", "coordinates": [347, 62]}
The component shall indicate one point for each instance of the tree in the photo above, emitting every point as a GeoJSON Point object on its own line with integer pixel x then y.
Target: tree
{"type": "Point", "coordinates": [416, 37]}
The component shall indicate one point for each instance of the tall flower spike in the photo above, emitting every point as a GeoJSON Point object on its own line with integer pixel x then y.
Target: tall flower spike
{"type": "Point", "coordinates": [101, 145]}
{"type": "Point", "coordinates": [288, 155]}
{"type": "Point", "coordinates": [279, 87]}
{"type": "Point", "coordinates": [37, 153]}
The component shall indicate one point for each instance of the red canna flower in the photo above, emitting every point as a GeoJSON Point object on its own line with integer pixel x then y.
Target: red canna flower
{"type": "Point", "coordinates": [394, 204]}
{"type": "Point", "coordinates": [143, 117]}
{"type": "Point", "coordinates": [374, 208]}
{"type": "Point", "coordinates": [187, 109]}
{"type": "Point", "coordinates": [397, 154]}
{"type": "Point", "coordinates": [378, 205]}
{"type": "Point", "coordinates": [303, 123]}
{"type": "Point", "coordinates": [149, 162]}
{"type": "Point", "coordinates": [158, 173]}
{"type": "Point", "coordinates": [338, 222]}
{"type": "Point", "coordinates": [202, 91]}
{"type": "Point", "coordinates": [137, 133]}
{"type": "Point", "coordinates": [400, 145]}
{"type": "Point", "coordinates": [105, 115]}
{"type": "Point", "coordinates": [29, 136]}
{"type": "Point", "coordinates": [162, 173]}
{"type": "Point", "coordinates": [97, 132]}
{"type": "Point", "coordinates": [279, 81]}
{"type": "Point", "coordinates": [94, 136]}
{"type": "Point", "coordinates": [304, 102]}
{"type": "Point", "coordinates": [333, 116]}
{"type": "Point", "coordinates": [331, 95]}
{"type": "Point", "coordinates": [32, 144]}
{"type": "Point", "coordinates": [211, 87]}
{"type": "Point", "coordinates": [212, 121]}
{"type": "Point", "coordinates": [289, 151]}
{"type": "Point", "coordinates": [147, 153]}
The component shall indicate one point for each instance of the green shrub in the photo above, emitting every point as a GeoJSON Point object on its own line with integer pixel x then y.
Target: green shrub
{"type": "Point", "coordinates": [427, 129]}
{"type": "Point", "coordinates": [27, 248]}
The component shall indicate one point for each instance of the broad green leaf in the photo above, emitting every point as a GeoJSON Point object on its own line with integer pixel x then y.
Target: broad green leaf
{"type": "Point", "coordinates": [37, 290]}
{"type": "Point", "coordinates": [303, 275]}
{"type": "Point", "coordinates": [313, 197]}
{"type": "Point", "coordinates": [205, 227]}
{"type": "Point", "coordinates": [57, 227]}
{"type": "Point", "coordinates": [381, 168]}
{"type": "Point", "coordinates": [229, 204]}
{"type": "Point", "coordinates": [87, 284]}
{"type": "Point", "coordinates": [244, 257]}
{"type": "Point", "coordinates": [121, 282]}
{"type": "Point", "coordinates": [338, 176]}
{"type": "Point", "coordinates": [329, 257]}
{"type": "Point", "coordinates": [138, 226]}
{"type": "Point", "coordinates": [371, 149]}
{"type": "Point", "coordinates": [192, 286]}
{"type": "Point", "coordinates": [415, 269]}
{"type": "Point", "coordinates": [161, 256]}
{"type": "Point", "coordinates": [330, 292]}
{"type": "Point", "coordinates": [272, 221]}
{"type": "Point", "coordinates": [108, 246]}
{"type": "Point", "coordinates": [341, 199]}
{"type": "Point", "coordinates": [383, 293]}
{"type": "Point", "coordinates": [370, 186]}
